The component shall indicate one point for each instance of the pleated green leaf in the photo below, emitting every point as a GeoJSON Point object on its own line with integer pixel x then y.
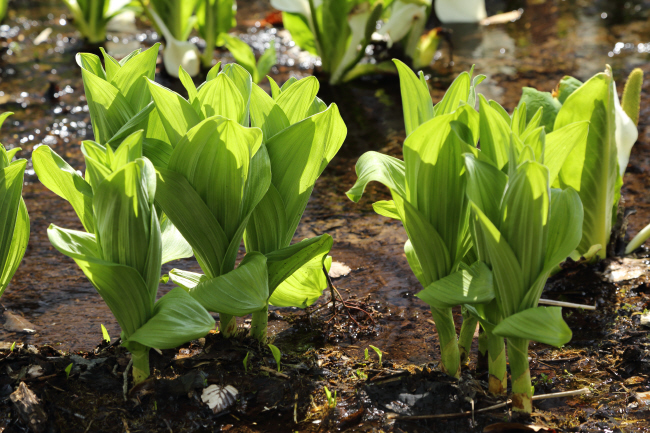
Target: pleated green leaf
{"type": "Point", "coordinates": [296, 100]}
{"type": "Point", "coordinates": [174, 245]}
{"type": "Point", "coordinates": [244, 83]}
{"type": "Point", "coordinates": [239, 292]}
{"type": "Point", "coordinates": [299, 154]}
{"type": "Point", "coordinates": [177, 319]}
{"type": "Point", "coordinates": [284, 262]}
{"type": "Point", "coordinates": [429, 246]}
{"type": "Point", "coordinates": [386, 208]}
{"type": "Point", "coordinates": [109, 109]}
{"type": "Point", "coordinates": [186, 279]}
{"type": "Point", "coordinates": [303, 287]}
{"type": "Point", "coordinates": [266, 114]}
{"type": "Point", "coordinates": [416, 99]}
{"type": "Point", "coordinates": [560, 143]}
{"type": "Point", "coordinates": [414, 262]}
{"type": "Point", "coordinates": [128, 78]}
{"type": "Point", "coordinates": [215, 157]}
{"type": "Point", "coordinates": [221, 97]}
{"type": "Point", "coordinates": [542, 324]}
{"type": "Point", "coordinates": [193, 219]}
{"type": "Point", "coordinates": [456, 94]}
{"type": "Point", "coordinates": [11, 217]}
{"type": "Point", "coordinates": [121, 287]}
{"type": "Point", "coordinates": [534, 100]}
{"type": "Point", "coordinates": [267, 227]}
{"type": "Point", "coordinates": [64, 181]}
{"type": "Point", "coordinates": [591, 168]}
{"type": "Point", "coordinates": [467, 286]}
{"type": "Point", "coordinates": [377, 167]}
{"type": "Point", "coordinates": [17, 247]}
{"type": "Point", "coordinates": [524, 217]}
{"type": "Point", "coordinates": [509, 288]}
{"type": "Point", "coordinates": [495, 133]}
{"type": "Point", "coordinates": [176, 114]}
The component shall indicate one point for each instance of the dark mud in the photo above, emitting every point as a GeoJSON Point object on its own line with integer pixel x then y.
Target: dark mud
{"type": "Point", "coordinates": [609, 351]}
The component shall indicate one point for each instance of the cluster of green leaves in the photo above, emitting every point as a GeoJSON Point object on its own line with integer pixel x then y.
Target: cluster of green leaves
{"type": "Point", "coordinates": [485, 229]}
{"type": "Point", "coordinates": [121, 252]}
{"type": "Point", "coordinates": [230, 163]}
{"type": "Point", "coordinates": [92, 16]}
{"type": "Point", "coordinates": [14, 220]}
{"type": "Point", "coordinates": [338, 31]}
{"type": "Point", "coordinates": [226, 181]}
{"type": "Point", "coordinates": [594, 169]}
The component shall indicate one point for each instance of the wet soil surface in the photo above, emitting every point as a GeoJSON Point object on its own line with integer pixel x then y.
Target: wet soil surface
{"type": "Point", "coordinates": [324, 346]}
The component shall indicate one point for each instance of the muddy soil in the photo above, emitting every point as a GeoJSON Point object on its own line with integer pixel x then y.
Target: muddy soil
{"type": "Point", "coordinates": [324, 346]}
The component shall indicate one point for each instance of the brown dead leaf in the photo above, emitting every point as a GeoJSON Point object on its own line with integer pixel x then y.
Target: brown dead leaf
{"type": "Point", "coordinates": [643, 397]}
{"type": "Point", "coordinates": [16, 323]}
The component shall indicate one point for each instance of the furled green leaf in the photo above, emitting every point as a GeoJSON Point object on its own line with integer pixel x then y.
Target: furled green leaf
{"type": "Point", "coordinates": [591, 168]}
{"type": "Point", "coordinates": [534, 99]}
{"type": "Point", "coordinates": [177, 319]}
{"type": "Point", "coordinates": [296, 100]}
{"type": "Point", "coordinates": [542, 324]}
{"type": "Point", "coordinates": [374, 166]}
{"type": "Point", "coordinates": [560, 143]}
{"type": "Point", "coordinates": [176, 114]}
{"type": "Point", "coordinates": [495, 134]}
{"type": "Point", "coordinates": [65, 182]}
{"type": "Point", "coordinates": [266, 113]}
{"type": "Point", "coordinates": [239, 292]}
{"type": "Point", "coordinates": [467, 286]}
{"type": "Point", "coordinates": [17, 247]}
{"type": "Point", "coordinates": [416, 99]}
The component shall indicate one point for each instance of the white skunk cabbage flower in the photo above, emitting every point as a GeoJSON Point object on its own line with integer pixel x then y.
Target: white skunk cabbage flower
{"type": "Point", "coordinates": [460, 11]}
{"type": "Point", "coordinates": [178, 53]}
{"type": "Point", "coordinates": [357, 21]}
{"type": "Point", "coordinates": [296, 6]}
{"type": "Point", "coordinates": [402, 19]}
{"type": "Point", "coordinates": [626, 133]}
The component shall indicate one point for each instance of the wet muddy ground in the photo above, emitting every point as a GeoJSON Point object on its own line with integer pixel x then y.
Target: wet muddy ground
{"type": "Point", "coordinates": [610, 349]}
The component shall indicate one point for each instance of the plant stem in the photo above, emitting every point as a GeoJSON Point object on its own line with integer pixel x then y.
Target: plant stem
{"type": "Point", "coordinates": [449, 353]}
{"type": "Point", "coordinates": [520, 375]}
{"type": "Point", "coordinates": [482, 363]}
{"type": "Point", "coordinates": [140, 359]}
{"type": "Point", "coordinates": [466, 336]}
{"type": "Point", "coordinates": [210, 37]}
{"type": "Point", "coordinates": [498, 379]}
{"type": "Point", "coordinates": [259, 324]}
{"type": "Point", "coordinates": [228, 324]}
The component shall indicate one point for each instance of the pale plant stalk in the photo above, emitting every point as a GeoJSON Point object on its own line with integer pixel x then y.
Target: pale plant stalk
{"type": "Point", "coordinates": [498, 376]}
{"type": "Point", "coordinates": [466, 336]}
{"type": "Point", "coordinates": [522, 393]}
{"type": "Point", "coordinates": [449, 352]}
{"type": "Point", "coordinates": [259, 324]}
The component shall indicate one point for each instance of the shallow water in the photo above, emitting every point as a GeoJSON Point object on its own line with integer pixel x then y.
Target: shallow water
{"type": "Point", "coordinates": [43, 86]}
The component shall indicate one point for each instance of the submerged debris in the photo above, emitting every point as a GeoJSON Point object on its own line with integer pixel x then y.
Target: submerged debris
{"type": "Point", "coordinates": [16, 323]}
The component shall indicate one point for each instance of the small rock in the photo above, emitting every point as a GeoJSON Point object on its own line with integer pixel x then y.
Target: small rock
{"type": "Point", "coordinates": [29, 408]}
{"type": "Point", "coordinates": [338, 270]}
{"type": "Point", "coordinates": [625, 269]}
{"type": "Point", "coordinates": [16, 323]}
{"type": "Point", "coordinates": [219, 398]}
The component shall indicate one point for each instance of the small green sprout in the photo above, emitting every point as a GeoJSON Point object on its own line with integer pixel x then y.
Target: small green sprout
{"type": "Point", "coordinates": [68, 369]}
{"type": "Point", "coordinates": [105, 336]}
{"type": "Point", "coordinates": [331, 399]}
{"type": "Point", "coordinates": [13, 346]}
{"type": "Point", "coordinates": [377, 351]}
{"type": "Point", "coordinates": [362, 375]}
{"type": "Point", "coordinates": [246, 361]}
{"type": "Point", "coordinates": [276, 355]}
{"type": "Point", "coordinates": [366, 355]}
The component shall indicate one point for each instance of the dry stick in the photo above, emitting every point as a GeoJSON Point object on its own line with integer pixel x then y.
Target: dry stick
{"type": "Point", "coordinates": [566, 304]}
{"type": "Point", "coordinates": [489, 408]}
{"type": "Point", "coordinates": [333, 291]}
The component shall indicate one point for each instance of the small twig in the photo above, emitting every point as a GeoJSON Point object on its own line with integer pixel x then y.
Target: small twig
{"type": "Point", "coordinates": [566, 304]}
{"type": "Point", "coordinates": [571, 359]}
{"type": "Point", "coordinates": [489, 408]}
{"type": "Point", "coordinates": [274, 372]}
{"type": "Point", "coordinates": [334, 291]}
{"type": "Point", "coordinates": [89, 424]}
{"type": "Point", "coordinates": [125, 388]}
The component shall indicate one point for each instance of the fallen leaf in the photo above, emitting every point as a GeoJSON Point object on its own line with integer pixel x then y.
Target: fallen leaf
{"type": "Point", "coordinates": [16, 323]}
{"type": "Point", "coordinates": [643, 397]}
{"type": "Point", "coordinates": [512, 427]}
{"type": "Point", "coordinates": [219, 398]}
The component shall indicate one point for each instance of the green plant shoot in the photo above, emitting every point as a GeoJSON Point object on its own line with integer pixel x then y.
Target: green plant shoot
{"type": "Point", "coordinates": [105, 336]}
{"type": "Point", "coordinates": [277, 355]}
{"type": "Point", "coordinates": [92, 16]}
{"type": "Point", "coordinates": [378, 352]}
{"type": "Point", "coordinates": [331, 398]}
{"type": "Point", "coordinates": [246, 362]}
{"type": "Point", "coordinates": [14, 219]}
{"type": "Point", "coordinates": [68, 369]}
{"type": "Point", "coordinates": [122, 259]}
